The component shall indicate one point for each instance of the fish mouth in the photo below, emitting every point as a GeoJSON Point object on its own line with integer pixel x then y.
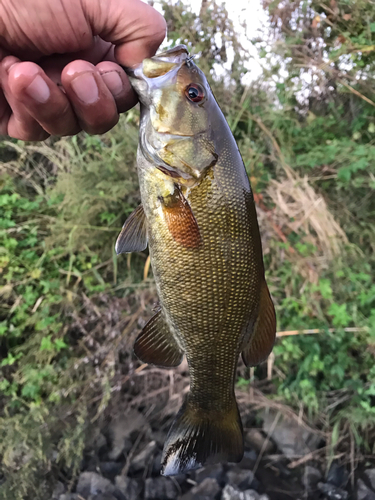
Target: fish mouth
{"type": "Point", "coordinates": [160, 64]}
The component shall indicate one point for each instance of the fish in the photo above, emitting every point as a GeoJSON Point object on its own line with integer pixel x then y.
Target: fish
{"type": "Point", "coordinates": [199, 221]}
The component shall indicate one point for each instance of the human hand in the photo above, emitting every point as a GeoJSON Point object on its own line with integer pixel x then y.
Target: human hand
{"type": "Point", "coordinates": [58, 73]}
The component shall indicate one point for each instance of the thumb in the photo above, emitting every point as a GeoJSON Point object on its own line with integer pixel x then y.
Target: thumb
{"type": "Point", "coordinates": [134, 27]}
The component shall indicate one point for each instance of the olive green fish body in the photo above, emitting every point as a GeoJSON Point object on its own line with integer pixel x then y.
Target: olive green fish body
{"type": "Point", "coordinates": [210, 294]}
{"type": "Point", "coordinates": [206, 256]}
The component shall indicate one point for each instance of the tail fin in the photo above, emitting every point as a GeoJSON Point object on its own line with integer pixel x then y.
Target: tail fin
{"type": "Point", "coordinates": [198, 437]}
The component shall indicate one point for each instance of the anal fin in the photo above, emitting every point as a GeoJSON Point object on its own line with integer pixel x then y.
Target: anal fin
{"type": "Point", "coordinates": [156, 345]}
{"type": "Point", "coordinates": [264, 331]}
{"type": "Point", "coordinates": [133, 236]}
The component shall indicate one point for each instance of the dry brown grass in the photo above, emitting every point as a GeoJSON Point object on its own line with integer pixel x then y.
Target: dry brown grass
{"type": "Point", "coordinates": [299, 208]}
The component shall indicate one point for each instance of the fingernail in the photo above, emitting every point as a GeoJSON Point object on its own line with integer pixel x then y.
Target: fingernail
{"type": "Point", "coordinates": [113, 81]}
{"type": "Point", "coordinates": [38, 90]}
{"type": "Point", "coordinates": [85, 88]}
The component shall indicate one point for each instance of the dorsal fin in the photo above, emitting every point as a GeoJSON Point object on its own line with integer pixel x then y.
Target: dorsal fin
{"type": "Point", "coordinates": [133, 236]}
{"type": "Point", "coordinates": [264, 331]}
{"type": "Point", "coordinates": [156, 344]}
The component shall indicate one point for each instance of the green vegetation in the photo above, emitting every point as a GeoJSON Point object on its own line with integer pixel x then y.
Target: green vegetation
{"type": "Point", "coordinates": [306, 129]}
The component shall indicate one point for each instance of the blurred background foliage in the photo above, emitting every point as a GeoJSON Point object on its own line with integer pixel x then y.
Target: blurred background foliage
{"type": "Point", "coordinates": [68, 306]}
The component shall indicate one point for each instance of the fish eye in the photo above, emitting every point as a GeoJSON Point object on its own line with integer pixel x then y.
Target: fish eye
{"type": "Point", "coordinates": [194, 92]}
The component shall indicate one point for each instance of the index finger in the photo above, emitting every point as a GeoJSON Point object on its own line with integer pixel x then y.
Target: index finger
{"type": "Point", "coordinates": [134, 27]}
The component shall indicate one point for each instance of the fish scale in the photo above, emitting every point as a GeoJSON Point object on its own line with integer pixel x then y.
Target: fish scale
{"type": "Point", "coordinates": [206, 256]}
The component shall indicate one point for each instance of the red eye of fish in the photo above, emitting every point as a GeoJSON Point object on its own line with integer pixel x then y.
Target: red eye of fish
{"type": "Point", "coordinates": [194, 92]}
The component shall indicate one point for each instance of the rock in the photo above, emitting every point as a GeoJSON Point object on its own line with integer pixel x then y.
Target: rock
{"type": "Point", "coordinates": [240, 478]}
{"type": "Point", "coordinates": [214, 471]}
{"type": "Point", "coordinates": [144, 456]}
{"type": "Point", "coordinates": [231, 493]}
{"type": "Point", "coordinates": [129, 488]}
{"type": "Point", "coordinates": [156, 463]}
{"type": "Point", "coordinates": [311, 477]}
{"type": "Point", "coordinates": [102, 496]}
{"type": "Point", "coordinates": [89, 463]}
{"type": "Point", "coordinates": [119, 432]}
{"type": "Point", "coordinates": [364, 492]}
{"type": "Point", "coordinates": [100, 442]}
{"type": "Point", "coordinates": [258, 441]}
{"type": "Point", "coordinates": [292, 439]}
{"type": "Point", "coordinates": [332, 492]}
{"type": "Point", "coordinates": [284, 471]}
{"type": "Point", "coordinates": [337, 475]}
{"type": "Point", "coordinates": [208, 489]}
{"type": "Point", "coordinates": [58, 490]}
{"type": "Point", "coordinates": [251, 455]}
{"type": "Point", "coordinates": [159, 437]}
{"type": "Point", "coordinates": [248, 461]}
{"type": "Point", "coordinates": [110, 469]}
{"type": "Point", "coordinates": [70, 496]}
{"type": "Point", "coordinates": [91, 483]}
{"type": "Point", "coordinates": [160, 488]}
{"type": "Point", "coordinates": [370, 473]}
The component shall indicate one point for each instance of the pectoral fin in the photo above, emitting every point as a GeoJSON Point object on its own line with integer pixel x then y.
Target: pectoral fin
{"type": "Point", "coordinates": [156, 344]}
{"type": "Point", "coordinates": [264, 331]}
{"type": "Point", "coordinates": [180, 220]}
{"type": "Point", "coordinates": [133, 236]}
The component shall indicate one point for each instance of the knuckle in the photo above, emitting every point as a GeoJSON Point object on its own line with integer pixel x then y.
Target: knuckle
{"type": "Point", "coordinates": [100, 126]}
{"type": "Point", "coordinates": [158, 28]}
{"type": "Point", "coordinates": [32, 135]}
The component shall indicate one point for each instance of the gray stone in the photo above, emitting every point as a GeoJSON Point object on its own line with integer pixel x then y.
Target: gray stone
{"type": "Point", "coordinates": [156, 463]}
{"type": "Point", "coordinates": [110, 469]}
{"type": "Point", "coordinates": [99, 442]}
{"type": "Point", "coordinates": [120, 429]}
{"type": "Point", "coordinates": [258, 441]}
{"type": "Point", "coordinates": [144, 456]}
{"type": "Point", "coordinates": [231, 493]}
{"type": "Point", "coordinates": [364, 492]}
{"type": "Point", "coordinates": [240, 478]}
{"type": "Point", "coordinates": [58, 490]}
{"type": "Point", "coordinates": [248, 460]}
{"type": "Point", "coordinates": [130, 488]}
{"type": "Point", "coordinates": [338, 475]}
{"type": "Point", "coordinates": [332, 492]}
{"type": "Point", "coordinates": [70, 496]}
{"type": "Point", "coordinates": [311, 477]}
{"type": "Point", "coordinates": [370, 473]}
{"type": "Point", "coordinates": [102, 496]}
{"type": "Point", "coordinates": [213, 471]}
{"type": "Point", "coordinates": [160, 488]}
{"type": "Point", "coordinates": [208, 489]}
{"type": "Point", "coordinates": [292, 439]}
{"type": "Point", "coordinates": [91, 483]}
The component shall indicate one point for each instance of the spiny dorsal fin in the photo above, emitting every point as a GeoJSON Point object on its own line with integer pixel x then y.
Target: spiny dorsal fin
{"type": "Point", "coordinates": [264, 331]}
{"type": "Point", "coordinates": [180, 220]}
{"type": "Point", "coordinates": [133, 236]}
{"type": "Point", "coordinates": [156, 345]}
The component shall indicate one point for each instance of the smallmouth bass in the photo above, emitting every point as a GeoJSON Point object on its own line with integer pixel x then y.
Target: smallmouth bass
{"type": "Point", "coordinates": [198, 218]}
